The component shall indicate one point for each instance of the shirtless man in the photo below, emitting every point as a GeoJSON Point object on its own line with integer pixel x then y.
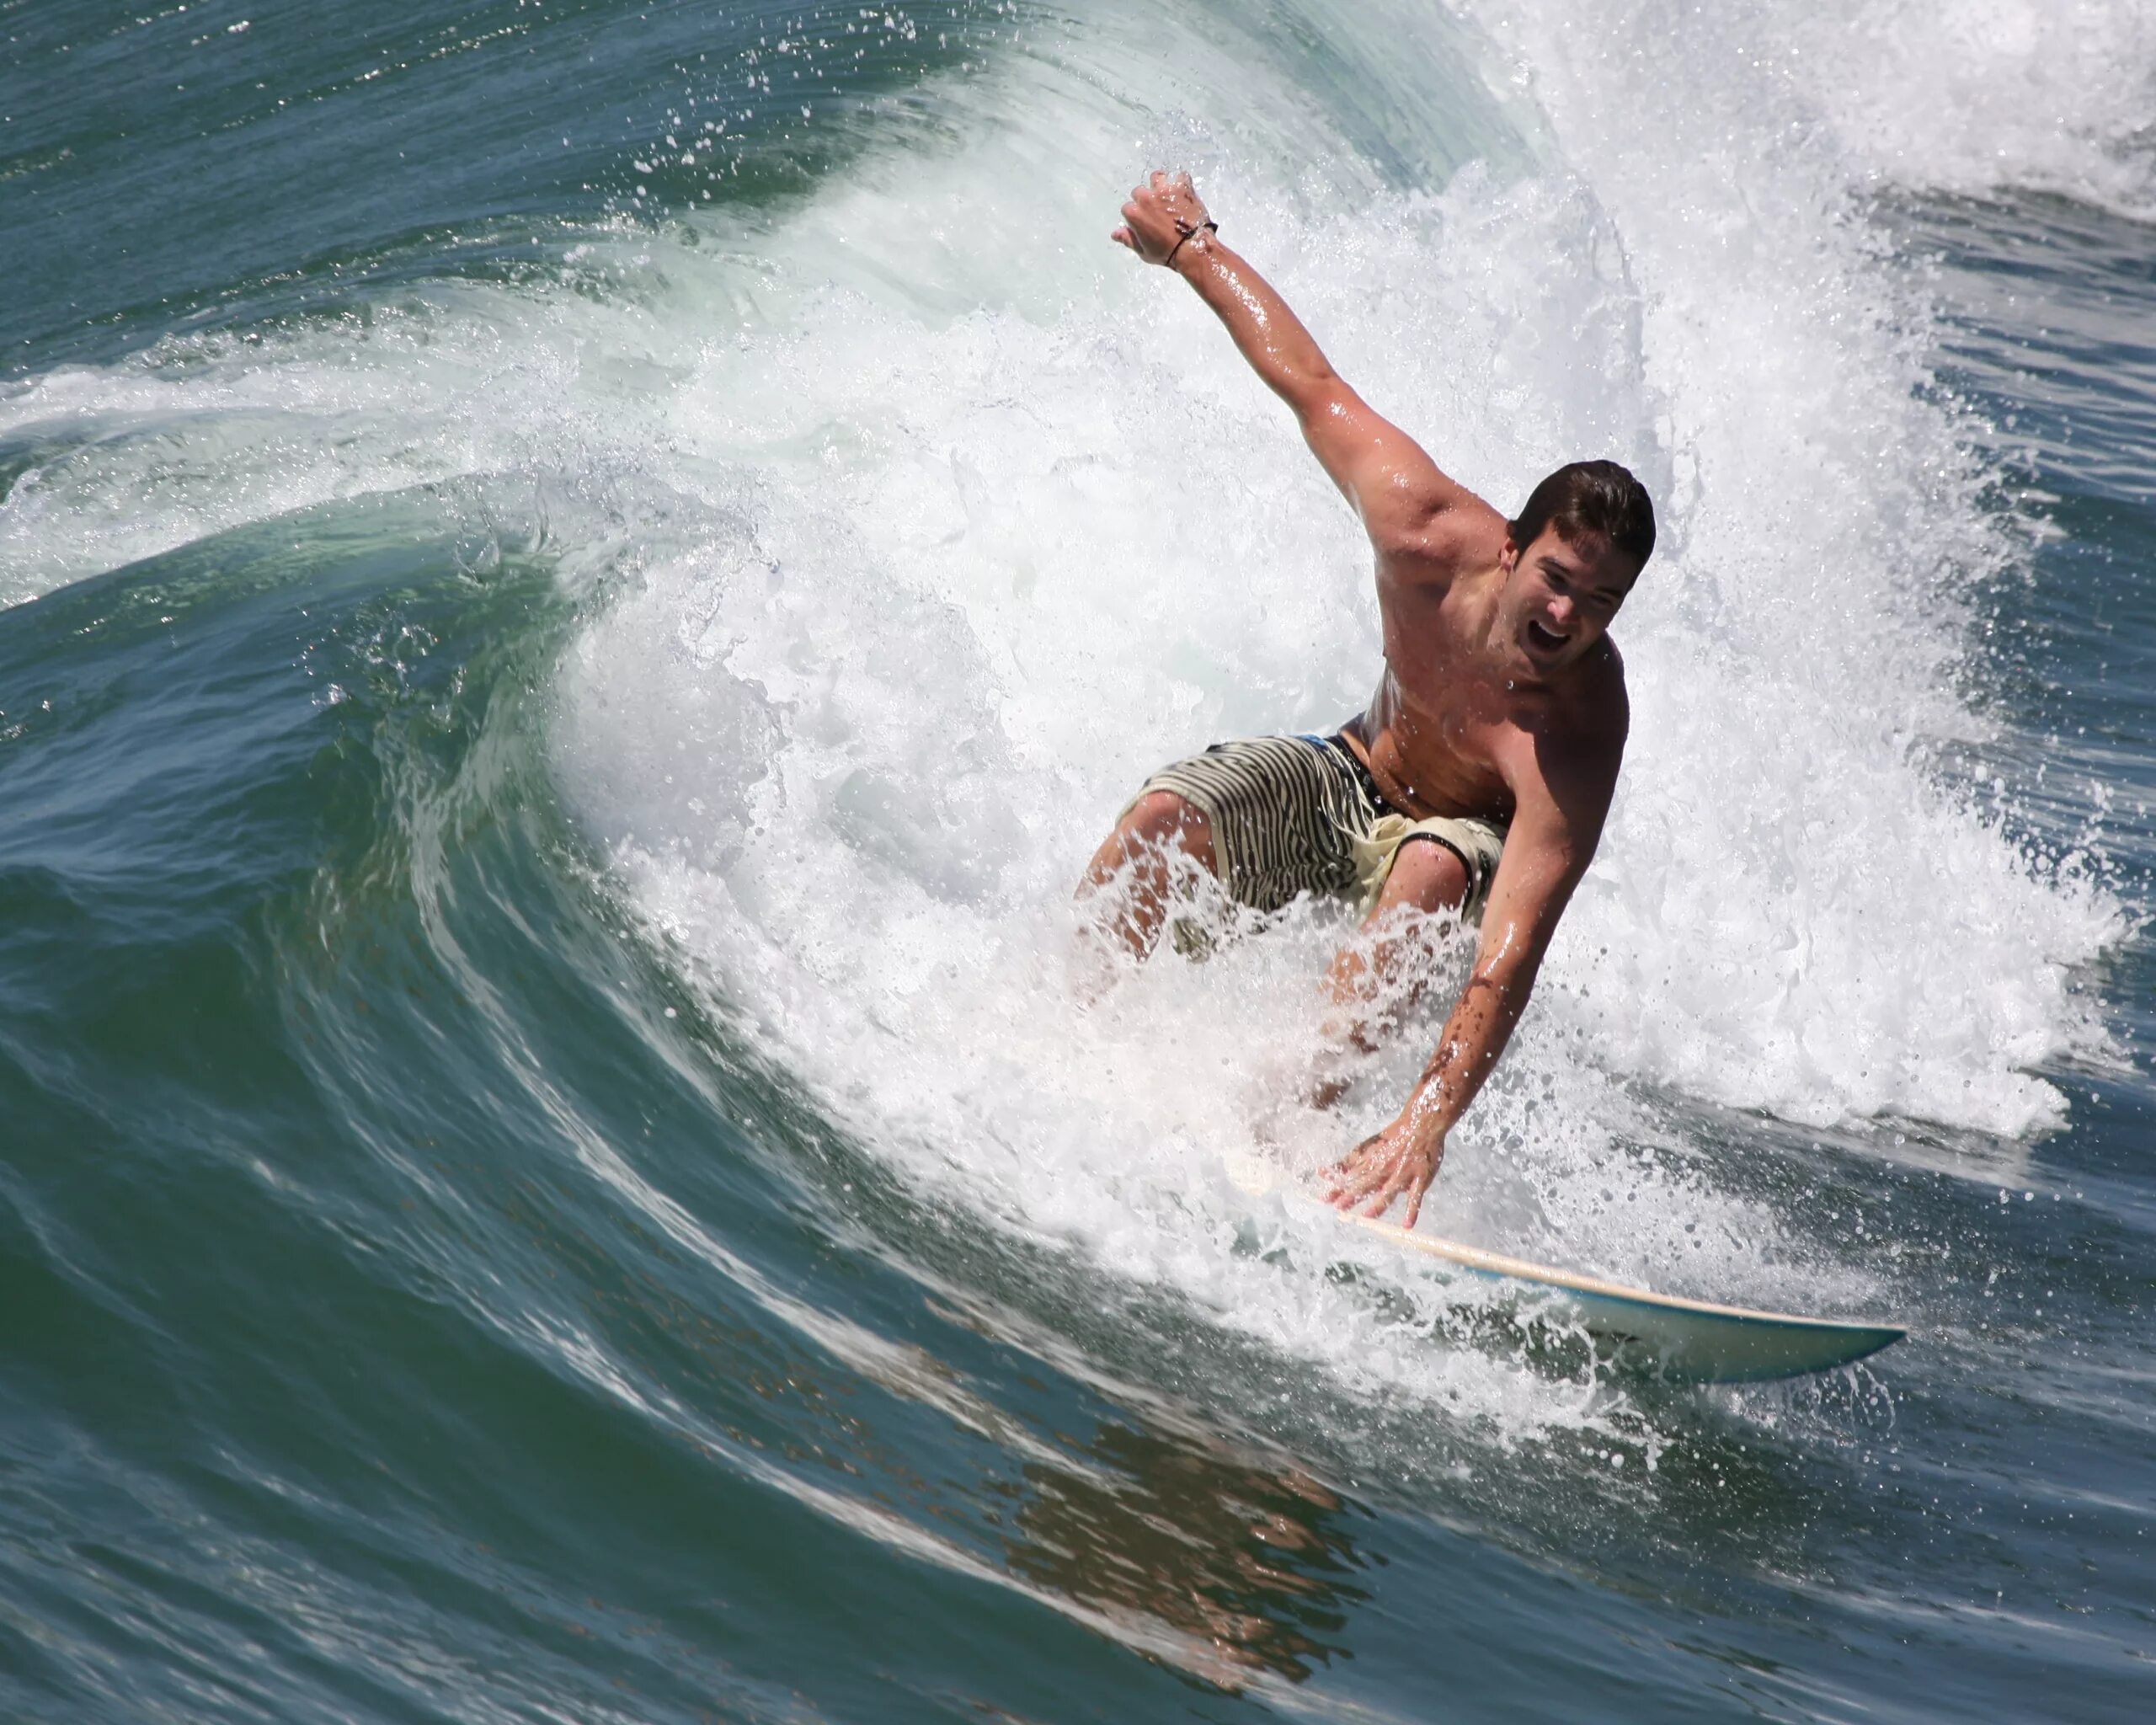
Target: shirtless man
{"type": "Point", "coordinates": [1478, 780]}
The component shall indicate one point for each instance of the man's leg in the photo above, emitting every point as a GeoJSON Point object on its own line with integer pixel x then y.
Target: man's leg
{"type": "Point", "coordinates": [1371, 981]}
{"type": "Point", "coordinates": [1138, 858]}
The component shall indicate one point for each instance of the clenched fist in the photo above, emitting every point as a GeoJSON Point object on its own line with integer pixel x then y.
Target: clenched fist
{"type": "Point", "coordinates": [1162, 214]}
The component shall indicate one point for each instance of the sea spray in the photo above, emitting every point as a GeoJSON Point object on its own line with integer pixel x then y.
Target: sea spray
{"type": "Point", "coordinates": [948, 522]}
{"type": "Point", "coordinates": [993, 564]}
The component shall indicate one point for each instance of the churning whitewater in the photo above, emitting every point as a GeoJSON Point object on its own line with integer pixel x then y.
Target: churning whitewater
{"type": "Point", "coordinates": [995, 529]}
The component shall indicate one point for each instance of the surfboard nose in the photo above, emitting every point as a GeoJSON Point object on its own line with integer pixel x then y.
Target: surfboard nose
{"type": "Point", "coordinates": [1756, 1349]}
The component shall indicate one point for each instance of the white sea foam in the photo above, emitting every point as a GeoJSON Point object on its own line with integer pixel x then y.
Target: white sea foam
{"type": "Point", "coordinates": [1973, 95]}
{"type": "Point", "coordinates": [991, 568]}
{"type": "Point", "coordinates": [969, 522]}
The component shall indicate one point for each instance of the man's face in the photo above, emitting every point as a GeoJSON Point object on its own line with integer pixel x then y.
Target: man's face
{"type": "Point", "coordinates": [1559, 596]}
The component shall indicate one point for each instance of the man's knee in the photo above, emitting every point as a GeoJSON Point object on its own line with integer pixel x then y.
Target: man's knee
{"type": "Point", "coordinates": [1426, 876]}
{"type": "Point", "coordinates": [1160, 818]}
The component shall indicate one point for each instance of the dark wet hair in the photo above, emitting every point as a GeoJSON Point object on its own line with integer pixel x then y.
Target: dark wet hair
{"type": "Point", "coordinates": [1591, 497]}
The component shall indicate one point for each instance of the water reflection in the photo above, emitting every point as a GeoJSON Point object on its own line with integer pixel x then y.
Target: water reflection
{"type": "Point", "coordinates": [1250, 1560]}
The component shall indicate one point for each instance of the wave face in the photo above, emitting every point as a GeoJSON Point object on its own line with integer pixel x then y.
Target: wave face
{"type": "Point", "coordinates": [582, 580]}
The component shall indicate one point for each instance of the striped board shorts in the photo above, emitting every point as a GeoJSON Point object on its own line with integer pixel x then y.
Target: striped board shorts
{"type": "Point", "coordinates": [1302, 815]}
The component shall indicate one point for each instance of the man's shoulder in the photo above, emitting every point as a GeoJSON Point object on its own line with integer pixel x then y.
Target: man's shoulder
{"type": "Point", "coordinates": [1575, 744]}
{"type": "Point", "coordinates": [1604, 700]}
{"type": "Point", "coordinates": [1598, 716]}
{"type": "Point", "coordinates": [1436, 546]}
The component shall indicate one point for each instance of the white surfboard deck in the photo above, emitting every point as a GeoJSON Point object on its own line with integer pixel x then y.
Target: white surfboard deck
{"type": "Point", "coordinates": [1688, 1341]}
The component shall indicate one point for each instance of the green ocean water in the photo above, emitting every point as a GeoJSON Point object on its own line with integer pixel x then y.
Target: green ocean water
{"type": "Point", "coordinates": [580, 580]}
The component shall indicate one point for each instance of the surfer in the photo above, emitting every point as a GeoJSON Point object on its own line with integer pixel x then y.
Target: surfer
{"type": "Point", "coordinates": [1478, 781]}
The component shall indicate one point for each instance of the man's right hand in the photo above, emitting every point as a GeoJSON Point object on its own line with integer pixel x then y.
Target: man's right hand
{"type": "Point", "coordinates": [1160, 213]}
{"type": "Point", "coordinates": [1395, 488]}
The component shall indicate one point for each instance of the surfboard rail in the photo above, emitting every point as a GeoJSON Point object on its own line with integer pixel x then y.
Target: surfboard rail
{"type": "Point", "coordinates": [1685, 1340]}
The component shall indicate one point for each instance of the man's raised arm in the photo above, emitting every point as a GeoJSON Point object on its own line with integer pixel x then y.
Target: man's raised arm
{"type": "Point", "coordinates": [1394, 485]}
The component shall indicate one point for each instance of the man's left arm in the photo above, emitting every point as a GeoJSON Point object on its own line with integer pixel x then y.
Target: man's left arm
{"type": "Point", "coordinates": [1552, 840]}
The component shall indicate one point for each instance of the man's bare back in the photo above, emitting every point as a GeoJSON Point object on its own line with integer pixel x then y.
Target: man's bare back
{"type": "Point", "coordinates": [1501, 706]}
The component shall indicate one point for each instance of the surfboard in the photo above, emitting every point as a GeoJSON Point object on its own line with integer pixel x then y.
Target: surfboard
{"type": "Point", "coordinates": [1685, 1341]}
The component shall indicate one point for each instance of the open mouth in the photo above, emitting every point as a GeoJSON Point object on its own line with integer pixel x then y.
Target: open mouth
{"type": "Point", "coordinates": [1542, 640]}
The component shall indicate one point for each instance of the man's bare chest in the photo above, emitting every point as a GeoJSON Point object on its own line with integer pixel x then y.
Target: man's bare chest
{"type": "Point", "coordinates": [1438, 757]}
{"type": "Point", "coordinates": [1445, 720]}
